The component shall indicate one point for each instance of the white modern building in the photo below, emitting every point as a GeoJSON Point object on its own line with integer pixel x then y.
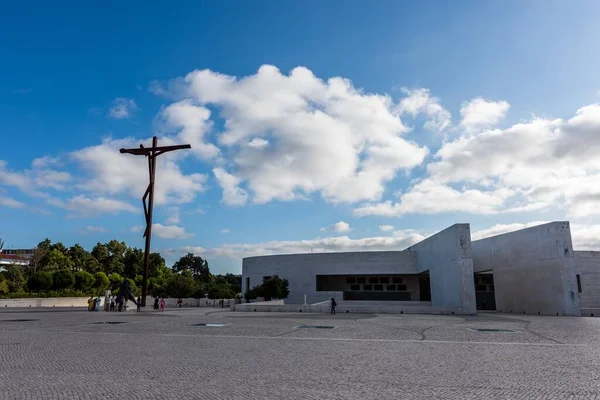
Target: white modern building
{"type": "Point", "coordinates": [530, 271]}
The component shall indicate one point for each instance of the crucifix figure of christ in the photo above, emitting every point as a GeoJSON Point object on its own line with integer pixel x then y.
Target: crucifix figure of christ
{"type": "Point", "coordinates": [151, 153]}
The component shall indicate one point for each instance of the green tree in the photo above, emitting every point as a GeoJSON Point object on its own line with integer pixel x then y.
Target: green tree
{"type": "Point", "coordinates": [157, 265]}
{"type": "Point", "coordinates": [139, 279]}
{"type": "Point", "coordinates": [56, 260]}
{"type": "Point", "coordinates": [84, 281]}
{"type": "Point", "coordinates": [40, 280]}
{"type": "Point", "coordinates": [4, 288]}
{"type": "Point", "coordinates": [133, 262]}
{"type": "Point", "coordinates": [115, 281]}
{"type": "Point", "coordinates": [100, 253]}
{"type": "Point", "coordinates": [102, 282]}
{"type": "Point", "coordinates": [251, 294]}
{"type": "Point", "coordinates": [60, 247]}
{"type": "Point", "coordinates": [274, 288]}
{"type": "Point", "coordinates": [91, 265]}
{"type": "Point", "coordinates": [15, 278]}
{"type": "Point", "coordinates": [39, 259]}
{"type": "Point", "coordinates": [63, 279]}
{"type": "Point", "coordinates": [196, 265]}
{"type": "Point", "coordinates": [79, 256]}
{"type": "Point", "coordinates": [180, 285]}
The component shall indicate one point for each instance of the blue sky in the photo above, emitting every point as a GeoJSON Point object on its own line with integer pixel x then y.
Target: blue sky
{"type": "Point", "coordinates": [473, 111]}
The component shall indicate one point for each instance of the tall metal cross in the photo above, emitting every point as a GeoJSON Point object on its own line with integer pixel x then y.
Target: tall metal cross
{"type": "Point", "coordinates": [151, 153]}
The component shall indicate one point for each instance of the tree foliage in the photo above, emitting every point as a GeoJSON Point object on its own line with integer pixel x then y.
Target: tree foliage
{"type": "Point", "coordinates": [57, 267]}
{"type": "Point", "coordinates": [40, 281]}
{"type": "Point", "coordinates": [272, 288]}
{"type": "Point", "coordinates": [63, 279]}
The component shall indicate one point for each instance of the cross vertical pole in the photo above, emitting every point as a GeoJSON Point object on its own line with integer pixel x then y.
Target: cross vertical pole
{"type": "Point", "coordinates": [151, 153]}
{"type": "Point", "coordinates": [148, 233]}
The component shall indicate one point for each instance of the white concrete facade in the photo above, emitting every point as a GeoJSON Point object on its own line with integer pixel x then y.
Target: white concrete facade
{"type": "Point", "coordinates": [535, 271]}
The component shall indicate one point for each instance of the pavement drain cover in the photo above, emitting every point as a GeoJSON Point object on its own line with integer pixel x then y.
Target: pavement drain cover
{"type": "Point", "coordinates": [109, 322]}
{"type": "Point", "coordinates": [19, 320]}
{"type": "Point", "coordinates": [210, 325]}
{"type": "Point", "coordinates": [491, 330]}
{"type": "Point", "coordinates": [316, 327]}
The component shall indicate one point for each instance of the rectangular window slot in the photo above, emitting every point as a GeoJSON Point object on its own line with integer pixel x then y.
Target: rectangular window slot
{"type": "Point", "coordinates": [350, 280]}
{"type": "Point", "coordinates": [354, 287]}
{"type": "Point", "coordinates": [578, 283]}
{"type": "Point", "coordinates": [378, 287]}
{"type": "Point", "coordinates": [492, 330]}
{"type": "Point", "coordinates": [367, 287]}
{"type": "Point", "coordinates": [108, 323]}
{"type": "Point", "coordinates": [210, 325]}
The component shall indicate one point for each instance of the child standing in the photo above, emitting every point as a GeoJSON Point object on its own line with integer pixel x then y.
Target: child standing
{"type": "Point", "coordinates": [162, 304]}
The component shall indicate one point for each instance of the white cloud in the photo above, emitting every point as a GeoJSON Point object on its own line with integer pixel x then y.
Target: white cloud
{"type": "Point", "coordinates": [84, 206]}
{"type": "Point", "coordinates": [174, 217]}
{"type": "Point", "coordinates": [193, 123]}
{"type": "Point", "coordinates": [499, 229]}
{"type": "Point", "coordinates": [341, 226]}
{"type": "Point", "coordinates": [419, 101]}
{"type": "Point", "coordinates": [289, 136]}
{"type": "Point", "coordinates": [33, 181]}
{"type": "Point", "coordinates": [10, 203]}
{"type": "Point", "coordinates": [233, 195]}
{"type": "Point", "coordinates": [122, 108]}
{"type": "Point", "coordinates": [480, 113]}
{"type": "Point", "coordinates": [386, 228]}
{"type": "Point", "coordinates": [224, 230]}
{"type": "Point", "coordinates": [400, 241]}
{"type": "Point", "coordinates": [170, 232]}
{"type": "Point", "coordinates": [95, 229]}
{"type": "Point", "coordinates": [110, 172]}
{"type": "Point", "coordinates": [137, 228]}
{"type": "Point", "coordinates": [533, 165]}
{"type": "Point", "coordinates": [46, 161]}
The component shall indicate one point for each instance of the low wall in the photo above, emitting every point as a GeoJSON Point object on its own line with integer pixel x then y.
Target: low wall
{"type": "Point", "coordinates": [68, 302]}
{"type": "Point", "coordinates": [325, 309]}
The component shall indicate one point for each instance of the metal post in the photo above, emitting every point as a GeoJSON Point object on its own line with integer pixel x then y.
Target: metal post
{"type": "Point", "coordinates": [151, 153]}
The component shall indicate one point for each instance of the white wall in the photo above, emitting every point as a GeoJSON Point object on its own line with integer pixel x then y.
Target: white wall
{"type": "Point", "coordinates": [447, 257]}
{"type": "Point", "coordinates": [301, 270]}
{"type": "Point", "coordinates": [587, 265]}
{"type": "Point", "coordinates": [534, 269]}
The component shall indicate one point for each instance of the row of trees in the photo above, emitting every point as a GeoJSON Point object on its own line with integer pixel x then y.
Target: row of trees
{"type": "Point", "coordinates": [56, 270]}
{"type": "Point", "coordinates": [273, 287]}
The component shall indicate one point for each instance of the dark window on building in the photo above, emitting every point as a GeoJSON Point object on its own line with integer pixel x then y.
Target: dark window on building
{"type": "Point", "coordinates": [248, 283]}
{"type": "Point", "coordinates": [401, 288]}
{"type": "Point", "coordinates": [378, 287]}
{"type": "Point", "coordinates": [367, 287]}
{"type": "Point", "coordinates": [373, 280]}
{"type": "Point", "coordinates": [396, 280]}
{"type": "Point", "coordinates": [354, 287]}
{"type": "Point", "coordinates": [384, 280]}
{"type": "Point", "coordinates": [578, 283]}
{"type": "Point", "coordinates": [361, 280]}
{"type": "Point", "coordinates": [491, 288]}
{"type": "Point", "coordinates": [391, 287]}
{"type": "Point", "coordinates": [350, 279]}
{"type": "Point", "coordinates": [480, 288]}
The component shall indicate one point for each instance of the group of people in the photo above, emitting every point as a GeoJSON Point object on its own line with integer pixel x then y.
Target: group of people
{"type": "Point", "coordinates": [159, 303]}
{"type": "Point", "coordinates": [118, 303]}
{"type": "Point", "coordinates": [94, 303]}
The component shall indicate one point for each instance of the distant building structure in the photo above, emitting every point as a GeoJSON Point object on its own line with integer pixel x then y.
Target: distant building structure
{"type": "Point", "coordinates": [15, 256]}
{"type": "Point", "coordinates": [530, 271]}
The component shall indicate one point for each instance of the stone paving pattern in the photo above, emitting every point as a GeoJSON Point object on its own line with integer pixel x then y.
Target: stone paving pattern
{"type": "Point", "coordinates": [67, 355]}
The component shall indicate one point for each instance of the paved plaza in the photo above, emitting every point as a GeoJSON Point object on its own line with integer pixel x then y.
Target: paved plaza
{"type": "Point", "coordinates": [71, 354]}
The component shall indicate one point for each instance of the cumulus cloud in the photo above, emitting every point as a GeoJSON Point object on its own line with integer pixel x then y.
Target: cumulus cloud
{"type": "Point", "coordinates": [170, 232]}
{"type": "Point", "coordinates": [420, 102]}
{"type": "Point", "coordinates": [110, 172]}
{"type": "Point", "coordinates": [532, 165]}
{"type": "Point", "coordinates": [122, 108]}
{"type": "Point", "coordinates": [499, 229]}
{"type": "Point", "coordinates": [386, 228]}
{"type": "Point", "coordinates": [289, 136]}
{"type": "Point", "coordinates": [82, 205]}
{"type": "Point", "coordinates": [339, 227]}
{"type": "Point", "coordinates": [480, 113]}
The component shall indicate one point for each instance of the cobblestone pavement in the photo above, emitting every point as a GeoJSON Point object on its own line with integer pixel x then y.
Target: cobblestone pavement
{"type": "Point", "coordinates": [72, 354]}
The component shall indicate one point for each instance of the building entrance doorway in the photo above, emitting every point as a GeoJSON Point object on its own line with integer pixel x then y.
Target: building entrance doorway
{"type": "Point", "coordinates": [424, 288]}
{"type": "Point", "coordinates": [485, 296]}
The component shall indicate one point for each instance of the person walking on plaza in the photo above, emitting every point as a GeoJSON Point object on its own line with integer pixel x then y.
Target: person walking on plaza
{"type": "Point", "coordinates": [333, 304]}
{"type": "Point", "coordinates": [139, 304]}
{"type": "Point", "coordinates": [112, 303]}
{"type": "Point", "coordinates": [156, 303]}
{"type": "Point", "coordinates": [162, 304]}
{"type": "Point", "coordinates": [91, 303]}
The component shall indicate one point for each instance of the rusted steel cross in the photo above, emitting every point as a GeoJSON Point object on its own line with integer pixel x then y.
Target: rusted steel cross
{"type": "Point", "coordinates": [151, 153]}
